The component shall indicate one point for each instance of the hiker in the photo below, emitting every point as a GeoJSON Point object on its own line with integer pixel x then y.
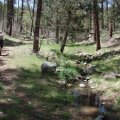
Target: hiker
{"type": "Point", "coordinates": [1, 42]}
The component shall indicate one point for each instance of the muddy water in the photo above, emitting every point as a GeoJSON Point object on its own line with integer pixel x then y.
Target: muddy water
{"type": "Point", "coordinates": [86, 102]}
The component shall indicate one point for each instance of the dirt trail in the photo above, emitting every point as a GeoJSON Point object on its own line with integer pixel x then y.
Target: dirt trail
{"type": "Point", "coordinates": [7, 71]}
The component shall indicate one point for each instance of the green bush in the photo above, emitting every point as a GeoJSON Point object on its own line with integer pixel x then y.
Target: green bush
{"type": "Point", "coordinates": [117, 104]}
{"type": "Point", "coordinates": [67, 73]}
{"type": "Point", "coordinates": [1, 88]}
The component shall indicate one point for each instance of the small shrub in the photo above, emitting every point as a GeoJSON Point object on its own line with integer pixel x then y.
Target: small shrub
{"type": "Point", "coordinates": [66, 116]}
{"type": "Point", "coordinates": [68, 73]}
{"type": "Point", "coordinates": [117, 104]}
{"type": "Point", "coordinates": [1, 88]}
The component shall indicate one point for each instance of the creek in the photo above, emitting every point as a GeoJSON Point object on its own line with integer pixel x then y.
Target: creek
{"type": "Point", "coordinates": [87, 102]}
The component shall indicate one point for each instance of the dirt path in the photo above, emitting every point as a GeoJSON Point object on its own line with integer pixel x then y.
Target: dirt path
{"type": "Point", "coordinates": [7, 72]}
{"type": "Point", "coordinates": [10, 93]}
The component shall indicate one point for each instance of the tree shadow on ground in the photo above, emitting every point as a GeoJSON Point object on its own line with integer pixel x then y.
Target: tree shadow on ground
{"type": "Point", "coordinates": [34, 98]}
{"type": "Point", "coordinates": [8, 42]}
{"type": "Point", "coordinates": [21, 109]}
{"type": "Point", "coordinates": [7, 75]}
{"type": "Point", "coordinates": [82, 44]}
{"type": "Point", "coordinates": [2, 62]}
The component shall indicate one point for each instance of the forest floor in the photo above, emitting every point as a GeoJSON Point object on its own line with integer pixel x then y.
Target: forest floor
{"type": "Point", "coordinates": [25, 95]}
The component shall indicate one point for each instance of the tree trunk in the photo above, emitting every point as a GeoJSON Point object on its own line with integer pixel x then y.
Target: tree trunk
{"type": "Point", "coordinates": [66, 33]}
{"type": "Point", "coordinates": [18, 13]}
{"type": "Point", "coordinates": [107, 14]}
{"type": "Point", "coordinates": [114, 18]}
{"type": "Point", "coordinates": [90, 20]}
{"type": "Point", "coordinates": [33, 14]}
{"type": "Point", "coordinates": [96, 25]}
{"type": "Point", "coordinates": [94, 21]}
{"type": "Point", "coordinates": [57, 28]}
{"type": "Point", "coordinates": [37, 27]}
{"type": "Point", "coordinates": [110, 29]}
{"type": "Point", "coordinates": [3, 16]}
{"type": "Point", "coordinates": [21, 19]}
{"type": "Point", "coordinates": [10, 16]}
{"type": "Point", "coordinates": [57, 32]}
{"type": "Point", "coordinates": [102, 10]}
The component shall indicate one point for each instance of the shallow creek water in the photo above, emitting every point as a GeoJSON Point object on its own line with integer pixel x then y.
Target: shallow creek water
{"type": "Point", "coordinates": [86, 102]}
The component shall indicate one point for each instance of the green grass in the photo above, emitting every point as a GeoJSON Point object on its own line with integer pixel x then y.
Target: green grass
{"type": "Point", "coordinates": [43, 92]}
{"type": "Point", "coordinates": [117, 105]}
{"type": "Point", "coordinates": [109, 65]}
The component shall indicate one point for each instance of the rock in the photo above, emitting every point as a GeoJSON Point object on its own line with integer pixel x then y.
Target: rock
{"type": "Point", "coordinates": [69, 85]}
{"type": "Point", "coordinates": [61, 82]}
{"type": "Point", "coordinates": [48, 67]}
{"type": "Point", "coordinates": [100, 117]}
{"type": "Point", "coordinates": [89, 69]}
{"type": "Point", "coordinates": [2, 114]}
{"type": "Point", "coordinates": [117, 75]}
{"type": "Point", "coordinates": [83, 54]}
{"type": "Point", "coordinates": [82, 85]}
{"type": "Point", "coordinates": [109, 76]}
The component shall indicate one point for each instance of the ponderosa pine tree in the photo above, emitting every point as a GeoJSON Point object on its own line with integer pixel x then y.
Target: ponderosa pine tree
{"type": "Point", "coordinates": [33, 14]}
{"type": "Point", "coordinates": [102, 12]}
{"type": "Point", "coordinates": [21, 16]}
{"type": "Point", "coordinates": [66, 32]}
{"type": "Point", "coordinates": [96, 25]}
{"type": "Point", "coordinates": [10, 16]}
{"type": "Point", "coordinates": [37, 27]}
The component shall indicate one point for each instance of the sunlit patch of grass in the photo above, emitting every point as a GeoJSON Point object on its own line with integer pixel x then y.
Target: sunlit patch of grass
{"type": "Point", "coordinates": [109, 65]}
{"type": "Point", "coordinates": [23, 58]}
{"type": "Point", "coordinates": [82, 48]}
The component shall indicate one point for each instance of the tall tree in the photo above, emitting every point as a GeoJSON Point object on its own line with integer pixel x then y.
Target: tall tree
{"type": "Point", "coordinates": [110, 28]}
{"type": "Point", "coordinates": [10, 16]}
{"type": "Point", "coordinates": [107, 12]}
{"type": "Point", "coordinates": [57, 27]}
{"type": "Point", "coordinates": [102, 11]}
{"type": "Point", "coordinates": [21, 16]}
{"type": "Point", "coordinates": [18, 12]}
{"type": "Point", "coordinates": [33, 14]}
{"type": "Point", "coordinates": [37, 26]}
{"type": "Point", "coordinates": [3, 15]}
{"type": "Point", "coordinates": [96, 25]}
{"type": "Point", "coordinates": [66, 32]}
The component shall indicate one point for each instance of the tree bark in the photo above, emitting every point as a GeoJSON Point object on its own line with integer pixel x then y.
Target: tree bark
{"type": "Point", "coordinates": [33, 14]}
{"type": "Point", "coordinates": [10, 16]}
{"type": "Point", "coordinates": [57, 27]}
{"type": "Point", "coordinates": [18, 13]}
{"type": "Point", "coordinates": [66, 33]}
{"type": "Point", "coordinates": [96, 25]}
{"type": "Point", "coordinates": [94, 21]}
{"type": "Point", "coordinates": [90, 20]}
{"type": "Point", "coordinates": [37, 27]}
{"type": "Point", "coordinates": [21, 19]}
{"type": "Point", "coordinates": [107, 14]}
{"type": "Point", "coordinates": [3, 16]}
{"type": "Point", "coordinates": [110, 29]}
{"type": "Point", "coordinates": [102, 10]}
